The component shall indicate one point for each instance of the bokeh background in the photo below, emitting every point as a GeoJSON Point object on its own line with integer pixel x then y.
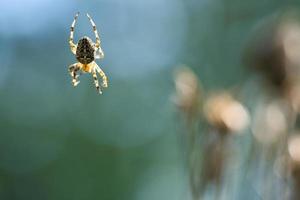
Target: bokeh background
{"type": "Point", "coordinates": [64, 143]}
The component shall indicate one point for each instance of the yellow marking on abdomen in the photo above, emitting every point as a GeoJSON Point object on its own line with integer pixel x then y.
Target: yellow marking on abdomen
{"type": "Point", "coordinates": [87, 68]}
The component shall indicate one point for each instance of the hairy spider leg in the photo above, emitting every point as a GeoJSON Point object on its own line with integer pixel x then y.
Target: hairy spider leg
{"type": "Point", "coordinates": [73, 72]}
{"type": "Point", "coordinates": [95, 31]}
{"type": "Point", "coordinates": [96, 81]}
{"type": "Point", "coordinates": [71, 40]}
{"type": "Point", "coordinates": [99, 52]}
{"type": "Point", "coordinates": [102, 74]}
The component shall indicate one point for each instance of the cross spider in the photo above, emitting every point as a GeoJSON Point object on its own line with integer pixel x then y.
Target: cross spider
{"type": "Point", "coordinates": [86, 52]}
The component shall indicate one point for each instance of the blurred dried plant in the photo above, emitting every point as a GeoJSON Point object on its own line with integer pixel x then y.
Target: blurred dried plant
{"type": "Point", "coordinates": [273, 53]}
{"type": "Point", "coordinates": [188, 100]}
{"type": "Point", "coordinates": [225, 113]}
{"type": "Point", "coordinates": [210, 121]}
{"type": "Point", "coordinates": [225, 116]}
{"type": "Point", "coordinates": [213, 118]}
{"type": "Point", "coordinates": [294, 165]}
{"type": "Point", "coordinates": [188, 92]}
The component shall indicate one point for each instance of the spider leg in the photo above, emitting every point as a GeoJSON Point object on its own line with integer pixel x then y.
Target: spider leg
{"type": "Point", "coordinates": [96, 81]}
{"type": "Point", "coordinates": [73, 69]}
{"type": "Point", "coordinates": [102, 74]}
{"type": "Point", "coordinates": [71, 40]}
{"type": "Point", "coordinates": [100, 53]}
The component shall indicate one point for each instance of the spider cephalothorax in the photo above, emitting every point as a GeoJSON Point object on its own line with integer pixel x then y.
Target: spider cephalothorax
{"type": "Point", "coordinates": [86, 52]}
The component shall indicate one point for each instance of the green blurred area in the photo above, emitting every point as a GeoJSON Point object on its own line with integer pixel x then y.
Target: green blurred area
{"type": "Point", "coordinates": [65, 143]}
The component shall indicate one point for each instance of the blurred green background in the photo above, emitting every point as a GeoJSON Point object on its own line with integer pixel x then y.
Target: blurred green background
{"type": "Point", "coordinates": [64, 143]}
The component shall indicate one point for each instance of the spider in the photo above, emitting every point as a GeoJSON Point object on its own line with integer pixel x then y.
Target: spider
{"type": "Point", "coordinates": [86, 51]}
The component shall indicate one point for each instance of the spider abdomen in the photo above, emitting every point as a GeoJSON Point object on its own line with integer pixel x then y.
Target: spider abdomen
{"type": "Point", "coordinates": [85, 51]}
